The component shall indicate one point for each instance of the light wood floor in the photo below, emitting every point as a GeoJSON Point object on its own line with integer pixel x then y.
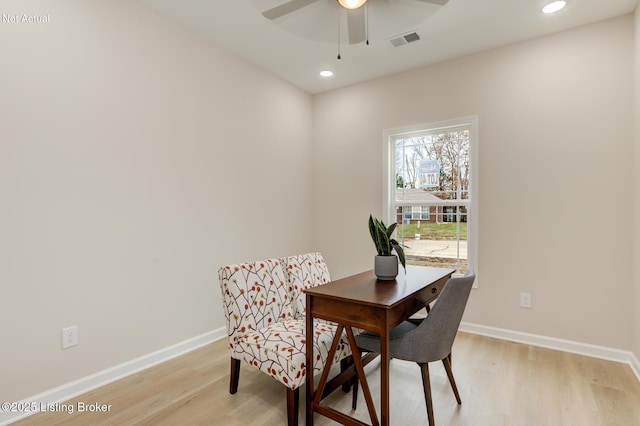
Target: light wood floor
{"type": "Point", "coordinates": [500, 383]}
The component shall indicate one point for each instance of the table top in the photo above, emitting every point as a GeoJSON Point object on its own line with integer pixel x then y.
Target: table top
{"type": "Point", "coordinates": [366, 289]}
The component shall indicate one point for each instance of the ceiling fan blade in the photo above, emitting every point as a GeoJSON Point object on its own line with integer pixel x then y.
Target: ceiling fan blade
{"type": "Point", "coordinates": [356, 23]}
{"type": "Point", "coordinates": [440, 2]}
{"type": "Point", "coordinates": [286, 8]}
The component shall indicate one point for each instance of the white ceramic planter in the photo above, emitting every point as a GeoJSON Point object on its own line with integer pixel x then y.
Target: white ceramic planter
{"type": "Point", "coordinates": [386, 267]}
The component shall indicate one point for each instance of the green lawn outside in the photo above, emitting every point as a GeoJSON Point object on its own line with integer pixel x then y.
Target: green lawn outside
{"type": "Point", "coordinates": [433, 231]}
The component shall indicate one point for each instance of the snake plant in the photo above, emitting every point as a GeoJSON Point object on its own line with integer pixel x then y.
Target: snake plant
{"type": "Point", "coordinates": [381, 236]}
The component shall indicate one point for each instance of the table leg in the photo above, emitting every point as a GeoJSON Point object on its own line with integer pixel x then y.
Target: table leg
{"type": "Point", "coordinates": [384, 379]}
{"type": "Point", "coordinates": [362, 377]}
{"type": "Point", "coordinates": [309, 366]}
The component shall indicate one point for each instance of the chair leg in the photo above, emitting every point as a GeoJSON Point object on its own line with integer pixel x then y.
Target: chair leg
{"type": "Point", "coordinates": [354, 396]}
{"type": "Point", "coordinates": [234, 376]}
{"type": "Point", "coordinates": [426, 383]}
{"type": "Point", "coordinates": [293, 403]}
{"type": "Point", "coordinates": [447, 367]}
{"type": "Point", "coordinates": [344, 364]}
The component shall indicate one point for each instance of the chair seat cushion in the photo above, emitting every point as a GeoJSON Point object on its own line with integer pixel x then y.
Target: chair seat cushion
{"type": "Point", "coordinates": [370, 341]}
{"type": "Point", "coordinates": [280, 349]}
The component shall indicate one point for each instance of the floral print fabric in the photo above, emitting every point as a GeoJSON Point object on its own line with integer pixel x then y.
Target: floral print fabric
{"type": "Point", "coordinates": [280, 350]}
{"type": "Point", "coordinates": [264, 312]}
{"type": "Point", "coordinates": [255, 296]}
{"type": "Point", "coordinates": [304, 271]}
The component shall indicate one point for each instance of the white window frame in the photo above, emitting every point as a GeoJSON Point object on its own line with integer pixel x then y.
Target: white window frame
{"type": "Point", "coordinates": [389, 177]}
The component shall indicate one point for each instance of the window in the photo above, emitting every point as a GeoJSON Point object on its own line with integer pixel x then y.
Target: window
{"type": "Point", "coordinates": [424, 213]}
{"type": "Point", "coordinates": [410, 213]}
{"type": "Point", "coordinates": [430, 181]}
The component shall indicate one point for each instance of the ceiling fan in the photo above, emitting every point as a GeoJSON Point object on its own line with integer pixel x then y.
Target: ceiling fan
{"type": "Point", "coordinates": [356, 14]}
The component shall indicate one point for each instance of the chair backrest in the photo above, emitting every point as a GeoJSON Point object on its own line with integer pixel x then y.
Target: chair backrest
{"type": "Point", "coordinates": [433, 339]}
{"type": "Point", "coordinates": [304, 271]}
{"type": "Point", "coordinates": [255, 295]}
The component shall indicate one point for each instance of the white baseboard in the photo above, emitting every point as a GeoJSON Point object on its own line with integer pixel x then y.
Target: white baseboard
{"type": "Point", "coordinates": [78, 387]}
{"type": "Point", "coordinates": [635, 366]}
{"type": "Point", "coordinates": [579, 348]}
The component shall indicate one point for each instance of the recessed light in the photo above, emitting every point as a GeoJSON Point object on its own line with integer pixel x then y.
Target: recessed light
{"type": "Point", "coordinates": [554, 6]}
{"type": "Point", "coordinates": [326, 73]}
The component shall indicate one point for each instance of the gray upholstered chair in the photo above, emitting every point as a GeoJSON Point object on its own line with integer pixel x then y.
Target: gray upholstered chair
{"type": "Point", "coordinates": [432, 338]}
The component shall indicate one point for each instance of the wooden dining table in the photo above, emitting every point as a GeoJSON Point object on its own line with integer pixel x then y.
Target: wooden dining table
{"type": "Point", "coordinates": [362, 301]}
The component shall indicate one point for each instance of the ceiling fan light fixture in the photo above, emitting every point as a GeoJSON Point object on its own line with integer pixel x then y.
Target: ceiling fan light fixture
{"type": "Point", "coordinates": [351, 4]}
{"type": "Point", "coordinates": [554, 6]}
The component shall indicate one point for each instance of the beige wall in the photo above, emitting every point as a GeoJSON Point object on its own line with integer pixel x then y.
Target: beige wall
{"type": "Point", "coordinates": [636, 194]}
{"type": "Point", "coordinates": [555, 173]}
{"type": "Point", "coordinates": [135, 159]}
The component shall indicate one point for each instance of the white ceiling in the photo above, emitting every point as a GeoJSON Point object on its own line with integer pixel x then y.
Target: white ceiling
{"type": "Point", "coordinates": [459, 28]}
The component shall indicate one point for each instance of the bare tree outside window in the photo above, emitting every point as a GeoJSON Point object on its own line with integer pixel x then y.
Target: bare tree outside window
{"type": "Point", "coordinates": [449, 149]}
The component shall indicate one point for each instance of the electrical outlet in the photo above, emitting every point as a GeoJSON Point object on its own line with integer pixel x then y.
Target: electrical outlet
{"type": "Point", "coordinates": [525, 300]}
{"type": "Point", "coordinates": [69, 337]}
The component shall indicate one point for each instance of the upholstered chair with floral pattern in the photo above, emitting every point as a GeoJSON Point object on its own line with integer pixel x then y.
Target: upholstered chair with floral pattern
{"type": "Point", "coordinates": [265, 332]}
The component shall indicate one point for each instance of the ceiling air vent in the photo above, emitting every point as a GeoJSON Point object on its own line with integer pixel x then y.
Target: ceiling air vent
{"type": "Point", "coordinates": [404, 39]}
